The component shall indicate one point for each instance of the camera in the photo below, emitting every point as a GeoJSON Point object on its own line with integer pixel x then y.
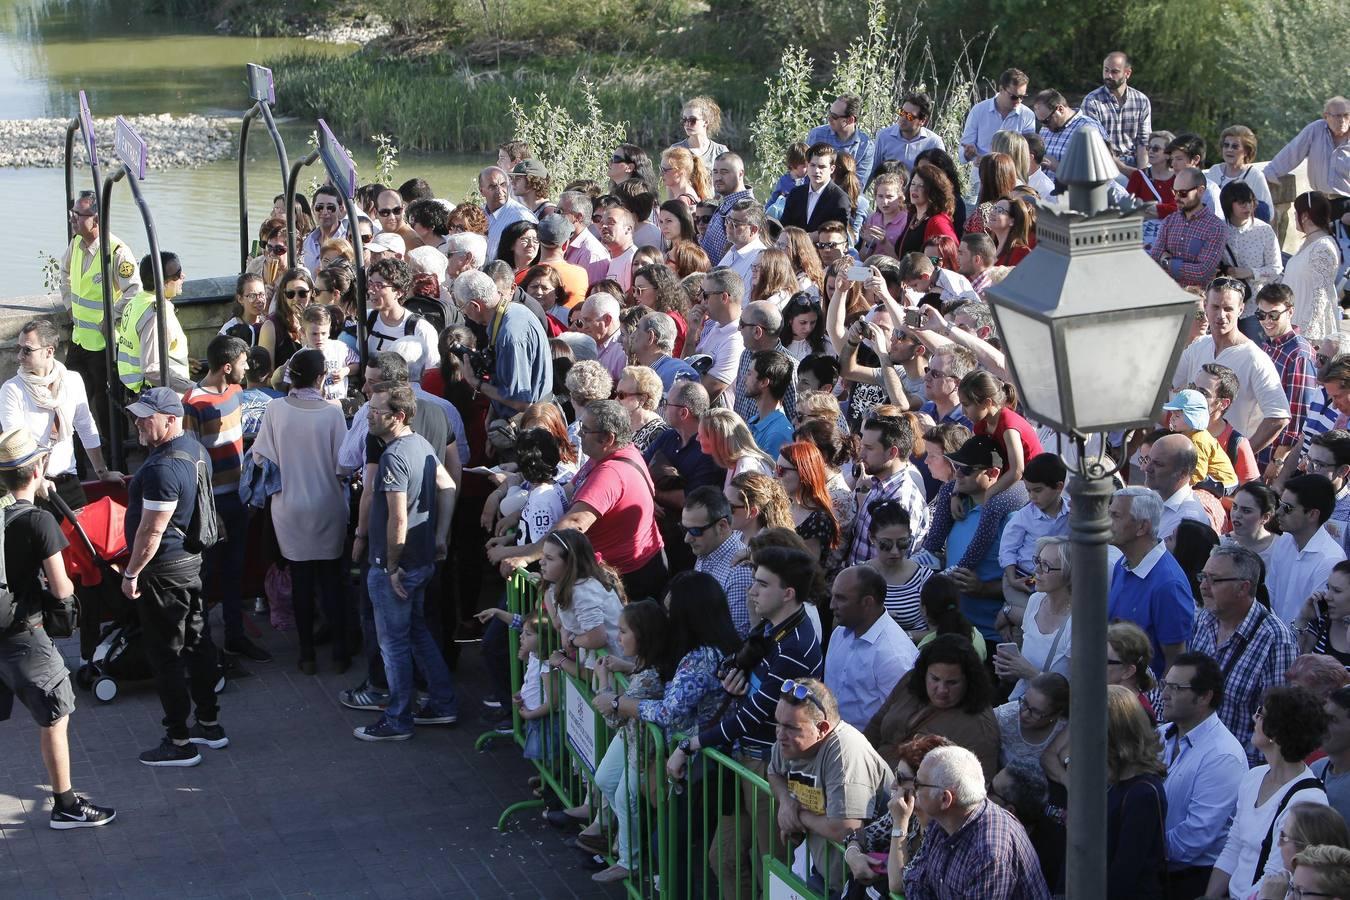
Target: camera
{"type": "Point", "coordinates": [481, 362]}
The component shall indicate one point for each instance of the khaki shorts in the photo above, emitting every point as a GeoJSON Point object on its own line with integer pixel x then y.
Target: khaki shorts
{"type": "Point", "coordinates": [32, 669]}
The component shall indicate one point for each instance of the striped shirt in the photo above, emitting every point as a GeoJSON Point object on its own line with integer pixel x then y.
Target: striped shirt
{"type": "Point", "coordinates": [217, 421]}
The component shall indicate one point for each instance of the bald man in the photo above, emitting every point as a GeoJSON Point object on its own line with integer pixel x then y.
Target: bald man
{"type": "Point", "coordinates": [1171, 460]}
{"type": "Point", "coordinates": [728, 179]}
{"type": "Point", "coordinates": [1191, 239]}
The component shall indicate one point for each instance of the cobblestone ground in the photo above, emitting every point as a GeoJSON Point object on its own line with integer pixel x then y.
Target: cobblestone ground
{"type": "Point", "coordinates": [294, 807]}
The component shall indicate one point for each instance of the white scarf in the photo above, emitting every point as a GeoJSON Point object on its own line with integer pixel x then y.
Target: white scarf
{"type": "Point", "coordinates": [49, 392]}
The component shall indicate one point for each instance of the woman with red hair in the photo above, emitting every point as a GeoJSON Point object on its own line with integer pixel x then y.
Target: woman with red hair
{"type": "Point", "coordinates": [801, 470]}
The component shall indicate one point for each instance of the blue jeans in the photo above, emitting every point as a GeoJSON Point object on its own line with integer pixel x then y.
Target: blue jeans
{"type": "Point", "coordinates": [403, 635]}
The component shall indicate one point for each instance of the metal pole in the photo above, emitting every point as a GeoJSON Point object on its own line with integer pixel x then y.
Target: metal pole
{"type": "Point", "coordinates": [71, 128]}
{"type": "Point", "coordinates": [243, 186]}
{"type": "Point", "coordinates": [290, 204]}
{"type": "Point", "coordinates": [354, 236]}
{"type": "Point", "coordinates": [117, 450]}
{"type": "Point", "coordinates": [1090, 492]}
{"type": "Point", "coordinates": [277, 142]}
{"type": "Point", "coordinates": [157, 266]}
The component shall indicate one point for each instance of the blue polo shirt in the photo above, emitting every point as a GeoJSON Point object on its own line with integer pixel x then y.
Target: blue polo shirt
{"type": "Point", "coordinates": [981, 611]}
{"type": "Point", "coordinates": [771, 431]}
{"type": "Point", "coordinates": [1156, 596]}
{"type": "Point", "coordinates": [695, 467]}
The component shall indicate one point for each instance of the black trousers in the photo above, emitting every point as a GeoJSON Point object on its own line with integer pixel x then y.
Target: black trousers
{"type": "Point", "coordinates": [1188, 883]}
{"type": "Point", "coordinates": [649, 581]}
{"type": "Point", "coordinates": [177, 642]}
{"type": "Point", "coordinates": [324, 578]}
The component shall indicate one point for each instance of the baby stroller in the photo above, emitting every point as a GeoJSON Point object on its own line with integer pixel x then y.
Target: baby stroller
{"type": "Point", "coordinates": [110, 634]}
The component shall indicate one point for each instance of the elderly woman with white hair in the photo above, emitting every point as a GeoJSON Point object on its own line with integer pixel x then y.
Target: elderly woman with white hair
{"type": "Point", "coordinates": [639, 391]}
{"type": "Point", "coordinates": [587, 381]}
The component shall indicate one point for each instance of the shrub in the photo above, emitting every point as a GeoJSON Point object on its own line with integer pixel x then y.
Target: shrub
{"type": "Point", "coordinates": [568, 149]}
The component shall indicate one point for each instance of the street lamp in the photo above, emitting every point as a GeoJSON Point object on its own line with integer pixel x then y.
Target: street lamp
{"type": "Point", "coordinates": [1092, 329]}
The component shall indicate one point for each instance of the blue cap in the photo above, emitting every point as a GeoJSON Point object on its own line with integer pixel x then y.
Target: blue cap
{"type": "Point", "coordinates": [157, 400]}
{"type": "Point", "coordinates": [1192, 406]}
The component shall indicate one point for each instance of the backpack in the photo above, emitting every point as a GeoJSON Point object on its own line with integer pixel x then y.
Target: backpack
{"type": "Point", "coordinates": [409, 325]}
{"type": "Point", "coordinates": [9, 600]}
{"type": "Point", "coordinates": [204, 528]}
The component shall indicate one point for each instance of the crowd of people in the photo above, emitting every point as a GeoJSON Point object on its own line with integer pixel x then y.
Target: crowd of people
{"type": "Point", "coordinates": [767, 461]}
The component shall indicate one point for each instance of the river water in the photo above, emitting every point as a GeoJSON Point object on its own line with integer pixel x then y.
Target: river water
{"type": "Point", "coordinates": [131, 65]}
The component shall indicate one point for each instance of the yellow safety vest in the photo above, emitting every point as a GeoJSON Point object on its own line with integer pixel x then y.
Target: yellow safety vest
{"type": "Point", "coordinates": [86, 289]}
{"type": "Point", "coordinates": [129, 342]}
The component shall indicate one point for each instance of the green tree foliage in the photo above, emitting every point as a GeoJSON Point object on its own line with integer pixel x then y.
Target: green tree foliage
{"type": "Point", "coordinates": [569, 149]}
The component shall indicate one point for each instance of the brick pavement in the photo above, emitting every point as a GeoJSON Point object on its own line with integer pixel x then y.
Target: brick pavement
{"type": "Point", "coordinates": [294, 807]}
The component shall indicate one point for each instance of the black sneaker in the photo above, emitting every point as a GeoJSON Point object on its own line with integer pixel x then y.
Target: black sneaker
{"type": "Point", "coordinates": [242, 646]}
{"type": "Point", "coordinates": [365, 697]}
{"type": "Point", "coordinates": [212, 736]}
{"type": "Point", "coordinates": [82, 815]}
{"type": "Point", "coordinates": [426, 715]}
{"type": "Point", "coordinates": [382, 730]}
{"type": "Point", "coordinates": [170, 754]}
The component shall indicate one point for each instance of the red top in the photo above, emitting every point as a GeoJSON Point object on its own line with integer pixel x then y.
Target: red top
{"type": "Point", "coordinates": [681, 327]}
{"type": "Point", "coordinates": [1243, 459]}
{"type": "Point", "coordinates": [625, 531]}
{"type": "Point", "coordinates": [1008, 420]}
{"type": "Point", "coordinates": [1011, 256]}
{"type": "Point", "coordinates": [1159, 192]}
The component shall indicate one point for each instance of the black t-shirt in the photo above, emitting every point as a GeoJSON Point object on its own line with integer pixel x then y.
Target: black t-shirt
{"type": "Point", "coordinates": [163, 483]}
{"type": "Point", "coordinates": [30, 537]}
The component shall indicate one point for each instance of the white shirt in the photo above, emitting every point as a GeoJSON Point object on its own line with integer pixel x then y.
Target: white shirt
{"type": "Point", "coordinates": [1205, 768]}
{"type": "Point", "coordinates": [621, 267]}
{"type": "Point", "coordinates": [1252, 175]}
{"type": "Point", "coordinates": [17, 410]}
{"type": "Point", "coordinates": [1295, 574]}
{"type": "Point", "coordinates": [1252, 823]}
{"type": "Point", "coordinates": [1037, 644]}
{"type": "Point", "coordinates": [1181, 505]}
{"type": "Point", "coordinates": [1042, 182]}
{"type": "Point", "coordinates": [984, 120]}
{"type": "Point", "coordinates": [1260, 395]}
{"type": "Point", "coordinates": [812, 198]}
{"type": "Point", "coordinates": [1017, 543]}
{"type": "Point", "coordinates": [724, 344]}
{"type": "Point", "coordinates": [383, 335]}
{"type": "Point", "coordinates": [953, 285]}
{"type": "Point", "coordinates": [862, 669]}
{"type": "Point", "coordinates": [742, 261]}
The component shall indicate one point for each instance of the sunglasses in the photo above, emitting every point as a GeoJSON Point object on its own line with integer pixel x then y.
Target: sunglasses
{"type": "Point", "coordinates": [684, 120]}
{"type": "Point", "coordinates": [703, 220]}
{"type": "Point", "coordinates": [698, 530]}
{"type": "Point", "coordinates": [886, 545]}
{"type": "Point", "coordinates": [396, 211]}
{"type": "Point", "coordinates": [826, 245]}
{"type": "Point", "coordinates": [325, 207]}
{"type": "Point", "coordinates": [965, 470]}
{"type": "Point", "coordinates": [783, 470]}
{"type": "Point", "coordinates": [297, 292]}
{"type": "Point", "coordinates": [28, 351]}
{"type": "Point", "coordinates": [616, 158]}
{"type": "Point", "coordinates": [1273, 315]}
{"type": "Point", "coordinates": [1184, 192]}
{"type": "Point", "coordinates": [276, 249]}
{"type": "Point", "coordinates": [907, 115]}
{"type": "Point", "coordinates": [795, 692]}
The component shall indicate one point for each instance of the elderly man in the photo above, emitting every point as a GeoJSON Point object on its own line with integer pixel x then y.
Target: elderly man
{"type": "Point", "coordinates": [1004, 111]}
{"type": "Point", "coordinates": [728, 180]}
{"type": "Point", "coordinates": [599, 319]}
{"type": "Point", "coordinates": [760, 325]}
{"type": "Point", "coordinates": [1059, 123]}
{"type": "Point", "coordinates": [721, 338]}
{"type": "Point", "coordinates": [1325, 144]}
{"type": "Point", "coordinates": [501, 208]}
{"type": "Point", "coordinates": [1148, 586]}
{"type": "Point", "coordinates": [868, 652]}
{"type": "Point", "coordinates": [745, 230]}
{"type": "Point", "coordinates": [1125, 114]}
{"type": "Point", "coordinates": [1205, 765]}
{"type": "Point", "coordinates": [971, 847]}
{"type": "Point", "coordinates": [465, 251]}
{"type": "Point", "coordinates": [82, 293]}
{"type": "Point", "coordinates": [1192, 239]}
{"type": "Point", "coordinates": [1251, 645]}
{"type": "Point", "coordinates": [583, 248]}
{"type": "Point", "coordinates": [49, 400]}
{"type": "Point", "coordinates": [910, 135]}
{"type": "Point", "coordinates": [819, 200]}
{"type": "Point", "coordinates": [1303, 556]}
{"type": "Point", "coordinates": [843, 134]}
{"type": "Point", "coordinates": [330, 221]}
{"type": "Point", "coordinates": [679, 466]}
{"type": "Point", "coordinates": [522, 372]}
{"type": "Point", "coordinates": [613, 507]}
{"type": "Point", "coordinates": [718, 549]}
{"type": "Point", "coordinates": [651, 345]}
{"type": "Point", "coordinates": [826, 777]}
{"type": "Point", "coordinates": [1168, 471]}
{"type": "Point", "coordinates": [1260, 410]}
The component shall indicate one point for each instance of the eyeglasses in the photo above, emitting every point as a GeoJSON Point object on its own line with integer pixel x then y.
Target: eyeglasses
{"type": "Point", "coordinates": [964, 470]}
{"type": "Point", "coordinates": [796, 692]}
{"type": "Point", "coordinates": [1114, 662]}
{"type": "Point", "coordinates": [624, 395]}
{"type": "Point", "coordinates": [782, 470]}
{"type": "Point", "coordinates": [698, 530]}
{"type": "Point", "coordinates": [886, 545]}
{"type": "Point", "coordinates": [255, 295]}
{"type": "Point", "coordinates": [1157, 148]}
{"type": "Point", "coordinates": [1031, 710]}
{"type": "Point", "coordinates": [1168, 686]}
{"type": "Point", "coordinates": [1206, 578]}
{"type": "Point", "coordinates": [907, 115]}
{"type": "Point", "coordinates": [1318, 465]}
{"type": "Point", "coordinates": [935, 375]}
{"type": "Point", "coordinates": [702, 220]}
{"type": "Point", "coordinates": [396, 211]}
{"type": "Point", "coordinates": [1272, 316]}
{"type": "Point", "coordinates": [1260, 713]}
{"type": "Point", "coordinates": [1322, 359]}
{"type": "Point", "coordinates": [1042, 567]}
{"type": "Point", "coordinates": [835, 117]}
{"type": "Point", "coordinates": [666, 403]}
{"type": "Point", "coordinates": [1294, 892]}
{"type": "Point", "coordinates": [1184, 192]}
{"type": "Point", "coordinates": [376, 285]}
{"type": "Point", "coordinates": [28, 351]}
{"type": "Point", "coordinates": [276, 249]}
{"type": "Point", "coordinates": [325, 207]}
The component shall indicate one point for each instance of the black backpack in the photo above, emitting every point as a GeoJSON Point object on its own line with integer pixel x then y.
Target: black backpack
{"type": "Point", "coordinates": [204, 528]}
{"type": "Point", "coordinates": [409, 325]}
{"type": "Point", "coordinates": [9, 600]}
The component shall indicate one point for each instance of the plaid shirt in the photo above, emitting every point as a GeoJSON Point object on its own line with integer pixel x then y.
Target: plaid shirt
{"type": "Point", "coordinates": [1293, 358]}
{"type": "Point", "coordinates": [1254, 658]}
{"type": "Point", "coordinates": [1126, 125]}
{"type": "Point", "coordinates": [990, 856]}
{"type": "Point", "coordinates": [1192, 246]}
{"type": "Point", "coordinates": [900, 487]}
{"type": "Point", "coordinates": [747, 408]}
{"type": "Point", "coordinates": [715, 238]}
{"type": "Point", "coordinates": [735, 580]}
{"type": "Point", "coordinates": [1057, 142]}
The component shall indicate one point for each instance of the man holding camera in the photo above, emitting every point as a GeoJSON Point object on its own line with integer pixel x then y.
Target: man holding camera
{"type": "Point", "coordinates": [521, 365]}
{"type": "Point", "coordinates": [31, 667]}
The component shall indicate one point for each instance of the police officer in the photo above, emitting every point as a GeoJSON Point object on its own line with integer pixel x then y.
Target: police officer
{"type": "Point", "coordinates": [31, 667]}
{"type": "Point", "coordinates": [82, 292]}
{"type": "Point", "coordinates": [138, 332]}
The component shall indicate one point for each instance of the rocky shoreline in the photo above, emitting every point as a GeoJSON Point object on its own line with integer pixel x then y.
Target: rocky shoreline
{"type": "Point", "coordinates": [174, 141]}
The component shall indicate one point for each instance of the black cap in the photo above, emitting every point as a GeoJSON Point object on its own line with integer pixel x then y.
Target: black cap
{"type": "Point", "coordinates": [979, 450]}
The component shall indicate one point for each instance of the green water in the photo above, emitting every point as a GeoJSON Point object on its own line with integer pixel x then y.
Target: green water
{"type": "Point", "coordinates": [130, 65]}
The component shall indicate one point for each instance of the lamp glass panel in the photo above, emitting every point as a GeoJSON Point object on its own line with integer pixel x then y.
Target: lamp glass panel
{"type": "Point", "coordinates": [1029, 342]}
{"type": "Point", "coordinates": [1116, 367]}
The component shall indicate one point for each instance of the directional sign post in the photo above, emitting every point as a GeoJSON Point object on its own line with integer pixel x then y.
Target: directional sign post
{"type": "Point", "coordinates": [131, 149]}
{"type": "Point", "coordinates": [261, 87]}
{"type": "Point", "coordinates": [262, 90]}
{"type": "Point", "coordinates": [87, 127]}
{"type": "Point", "coordinates": [338, 162]}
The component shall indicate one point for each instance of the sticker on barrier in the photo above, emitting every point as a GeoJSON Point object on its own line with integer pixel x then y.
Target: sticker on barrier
{"type": "Point", "coordinates": [581, 726]}
{"type": "Point", "coordinates": [781, 883]}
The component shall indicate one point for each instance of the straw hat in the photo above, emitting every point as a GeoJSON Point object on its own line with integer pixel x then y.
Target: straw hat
{"type": "Point", "coordinates": [18, 448]}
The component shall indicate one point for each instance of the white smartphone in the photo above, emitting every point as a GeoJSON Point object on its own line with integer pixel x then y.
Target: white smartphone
{"type": "Point", "coordinates": [859, 273]}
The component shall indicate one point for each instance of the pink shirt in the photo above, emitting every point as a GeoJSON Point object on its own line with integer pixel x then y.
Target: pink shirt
{"type": "Point", "coordinates": [624, 532]}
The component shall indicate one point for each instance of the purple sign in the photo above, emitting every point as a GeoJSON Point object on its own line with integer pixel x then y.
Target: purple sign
{"type": "Point", "coordinates": [131, 149]}
{"type": "Point", "coordinates": [337, 161]}
{"type": "Point", "coordinates": [260, 84]}
{"type": "Point", "coordinates": [87, 126]}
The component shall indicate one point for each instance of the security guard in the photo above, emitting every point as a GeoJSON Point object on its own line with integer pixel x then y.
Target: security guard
{"type": "Point", "coordinates": [82, 292]}
{"type": "Point", "coordinates": [138, 332]}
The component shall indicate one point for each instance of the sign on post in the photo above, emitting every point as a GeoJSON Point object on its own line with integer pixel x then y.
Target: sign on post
{"type": "Point", "coordinates": [337, 161]}
{"type": "Point", "coordinates": [260, 84]}
{"type": "Point", "coordinates": [581, 726]}
{"type": "Point", "coordinates": [131, 149]}
{"type": "Point", "coordinates": [87, 126]}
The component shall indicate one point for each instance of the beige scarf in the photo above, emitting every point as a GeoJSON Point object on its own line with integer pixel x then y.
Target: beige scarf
{"type": "Point", "coordinates": [48, 392]}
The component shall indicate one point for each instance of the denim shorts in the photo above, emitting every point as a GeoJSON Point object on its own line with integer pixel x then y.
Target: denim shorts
{"type": "Point", "coordinates": [32, 669]}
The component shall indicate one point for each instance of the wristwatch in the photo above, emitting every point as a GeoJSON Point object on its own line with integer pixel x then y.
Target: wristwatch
{"type": "Point", "coordinates": [683, 747]}
{"type": "Point", "coordinates": [130, 576]}
{"type": "Point", "coordinates": [615, 704]}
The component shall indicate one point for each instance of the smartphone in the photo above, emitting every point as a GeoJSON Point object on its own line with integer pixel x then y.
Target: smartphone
{"type": "Point", "coordinates": [1011, 647]}
{"type": "Point", "coordinates": [913, 318]}
{"type": "Point", "coordinates": [859, 273]}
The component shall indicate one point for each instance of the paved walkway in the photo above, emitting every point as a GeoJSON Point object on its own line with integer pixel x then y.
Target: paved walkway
{"type": "Point", "coordinates": [295, 807]}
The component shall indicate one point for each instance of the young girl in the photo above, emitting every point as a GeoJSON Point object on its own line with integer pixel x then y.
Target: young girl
{"type": "Point", "coordinates": [584, 598]}
{"type": "Point", "coordinates": [803, 331]}
{"type": "Point", "coordinates": [643, 631]}
{"type": "Point", "coordinates": [538, 694]}
{"type": "Point", "coordinates": [988, 403]}
{"type": "Point", "coordinates": [941, 600]}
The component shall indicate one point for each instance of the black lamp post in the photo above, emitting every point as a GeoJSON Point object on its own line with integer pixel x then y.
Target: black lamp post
{"type": "Point", "coordinates": [1092, 330]}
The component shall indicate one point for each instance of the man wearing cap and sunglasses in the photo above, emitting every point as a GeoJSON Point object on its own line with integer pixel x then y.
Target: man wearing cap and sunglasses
{"type": "Point", "coordinates": [31, 668]}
